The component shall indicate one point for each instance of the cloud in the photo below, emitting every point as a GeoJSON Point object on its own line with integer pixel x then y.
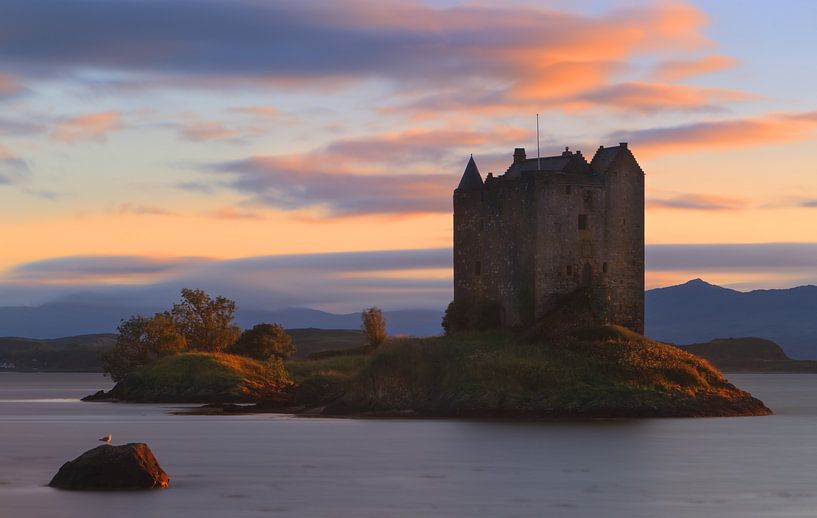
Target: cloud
{"type": "Point", "coordinates": [394, 279]}
{"type": "Point", "coordinates": [201, 131]}
{"type": "Point", "coordinates": [297, 182]}
{"type": "Point", "coordinates": [10, 86]}
{"type": "Point", "coordinates": [145, 210]}
{"type": "Point", "coordinates": [13, 170]}
{"type": "Point", "coordinates": [735, 133]}
{"type": "Point", "coordinates": [259, 111]}
{"type": "Point", "coordinates": [383, 174]}
{"type": "Point", "coordinates": [18, 127]}
{"type": "Point", "coordinates": [231, 213]}
{"type": "Point", "coordinates": [697, 202]}
{"type": "Point", "coordinates": [653, 97]}
{"type": "Point", "coordinates": [528, 55]}
{"type": "Point", "coordinates": [731, 257]}
{"type": "Point", "coordinates": [91, 126]}
{"type": "Point", "coordinates": [811, 204]}
{"type": "Point", "coordinates": [679, 69]}
{"type": "Point", "coordinates": [98, 269]}
{"type": "Point", "coordinates": [197, 187]}
{"type": "Point", "coordinates": [336, 281]}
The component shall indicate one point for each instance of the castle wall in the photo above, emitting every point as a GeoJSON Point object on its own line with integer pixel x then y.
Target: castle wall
{"type": "Point", "coordinates": [568, 257]}
{"type": "Point", "coordinates": [625, 243]}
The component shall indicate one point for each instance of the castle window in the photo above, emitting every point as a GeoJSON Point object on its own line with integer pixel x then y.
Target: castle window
{"type": "Point", "coordinates": [604, 267]}
{"type": "Point", "coordinates": [568, 189]}
{"type": "Point", "coordinates": [478, 268]}
{"type": "Point", "coordinates": [482, 225]}
{"type": "Point", "coordinates": [569, 271]}
{"type": "Point", "coordinates": [582, 221]}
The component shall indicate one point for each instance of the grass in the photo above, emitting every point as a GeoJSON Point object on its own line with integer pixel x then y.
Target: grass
{"type": "Point", "coordinates": [311, 340]}
{"type": "Point", "coordinates": [601, 372]}
{"type": "Point", "coordinates": [204, 377]}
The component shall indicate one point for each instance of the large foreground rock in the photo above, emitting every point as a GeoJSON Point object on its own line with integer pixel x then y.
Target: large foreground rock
{"type": "Point", "coordinates": [129, 466]}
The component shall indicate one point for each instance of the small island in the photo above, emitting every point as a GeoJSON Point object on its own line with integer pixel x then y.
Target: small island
{"type": "Point", "coordinates": [546, 321]}
{"type": "Point", "coordinates": [594, 372]}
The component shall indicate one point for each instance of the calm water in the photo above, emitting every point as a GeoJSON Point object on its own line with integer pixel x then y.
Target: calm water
{"type": "Point", "coordinates": [266, 465]}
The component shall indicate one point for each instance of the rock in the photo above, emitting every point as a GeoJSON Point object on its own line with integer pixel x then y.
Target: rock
{"type": "Point", "coordinates": [129, 466]}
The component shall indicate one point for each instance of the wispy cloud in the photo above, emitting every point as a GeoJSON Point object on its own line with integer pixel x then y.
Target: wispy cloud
{"type": "Point", "coordinates": [530, 56]}
{"type": "Point", "coordinates": [235, 214]}
{"type": "Point", "coordinates": [13, 169]}
{"type": "Point", "coordinates": [691, 201]}
{"type": "Point", "coordinates": [678, 69]}
{"type": "Point", "coordinates": [10, 86]}
{"type": "Point", "coordinates": [383, 174]}
{"type": "Point", "coordinates": [91, 126]}
{"type": "Point", "coordinates": [291, 183]}
{"type": "Point", "coordinates": [144, 210]}
{"type": "Point", "coordinates": [734, 133]}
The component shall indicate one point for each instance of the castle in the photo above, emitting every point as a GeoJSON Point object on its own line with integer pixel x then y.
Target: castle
{"type": "Point", "coordinates": [550, 227]}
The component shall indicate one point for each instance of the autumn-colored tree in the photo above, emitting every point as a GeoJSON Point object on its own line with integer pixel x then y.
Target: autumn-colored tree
{"type": "Point", "coordinates": [206, 323]}
{"type": "Point", "coordinates": [373, 325]}
{"type": "Point", "coordinates": [141, 341]}
{"type": "Point", "coordinates": [263, 342]}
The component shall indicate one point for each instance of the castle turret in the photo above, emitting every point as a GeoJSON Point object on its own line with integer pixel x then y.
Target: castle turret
{"type": "Point", "coordinates": [471, 179]}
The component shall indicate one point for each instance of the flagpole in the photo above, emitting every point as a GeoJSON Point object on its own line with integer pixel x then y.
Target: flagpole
{"type": "Point", "coordinates": [538, 156]}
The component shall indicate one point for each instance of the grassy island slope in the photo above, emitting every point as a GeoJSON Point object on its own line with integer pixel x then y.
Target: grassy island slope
{"type": "Point", "coordinates": [603, 372]}
{"type": "Point", "coordinates": [203, 378]}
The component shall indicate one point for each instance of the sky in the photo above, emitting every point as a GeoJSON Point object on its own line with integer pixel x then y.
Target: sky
{"type": "Point", "coordinates": [304, 153]}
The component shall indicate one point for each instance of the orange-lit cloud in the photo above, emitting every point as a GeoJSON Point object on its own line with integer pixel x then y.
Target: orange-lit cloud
{"type": "Point", "coordinates": [450, 57]}
{"type": "Point", "coordinates": [735, 133]}
{"type": "Point", "coordinates": [207, 130]}
{"type": "Point", "coordinates": [652, 97]}
{"type": "Point", "coordinates": [92, 126]}
{"type": "Point", "coordinates": [679, 69]}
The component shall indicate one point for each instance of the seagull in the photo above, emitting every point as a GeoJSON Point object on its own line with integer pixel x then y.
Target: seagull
{"type": "Point", "coordinates": [107, 438]}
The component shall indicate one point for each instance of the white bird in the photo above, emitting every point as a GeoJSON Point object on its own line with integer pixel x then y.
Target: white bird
{"type": "Point", "coordinates": [107, 438]}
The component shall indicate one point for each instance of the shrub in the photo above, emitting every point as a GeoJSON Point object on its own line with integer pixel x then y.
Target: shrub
{"type": "Point", "coordinates": [142, 341]}
{"type": "Point", "coordinates": [263, 342]}
{"type": "Point", "coordinates": [374, 326]}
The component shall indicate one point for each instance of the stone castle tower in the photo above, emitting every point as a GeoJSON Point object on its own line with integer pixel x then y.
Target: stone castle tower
{"type": "Point", "coordinates": [548, 227]}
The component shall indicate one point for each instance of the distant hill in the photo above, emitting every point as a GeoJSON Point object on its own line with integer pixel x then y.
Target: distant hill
{"type": "Point", "coordinates": [73, 353]}
{"type": "Point", "coordinates": [749, 355]}
{"type": "Point", "coordinates": [697, 312]}
{"type": "Point", "coordinates": [81, 353]}
{"type": "Point", "coordinates": [67, 317]}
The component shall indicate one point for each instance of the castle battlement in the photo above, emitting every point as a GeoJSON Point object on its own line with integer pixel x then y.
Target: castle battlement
{"type": "Point", "coordinates": [548, 227]}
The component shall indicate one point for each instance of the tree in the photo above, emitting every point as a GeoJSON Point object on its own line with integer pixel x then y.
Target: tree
{"type": "Point", "coordinates": [263, 342]}
{"type": "Point", "coordinates": [206, 323]}
{"type": "Point", "coordinates": [141, 341]}
{"type": "Point", "coordinates": [374, 326]}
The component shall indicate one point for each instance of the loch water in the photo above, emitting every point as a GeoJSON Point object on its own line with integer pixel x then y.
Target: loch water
{"type": "Point", "coordinates": [267, 465]}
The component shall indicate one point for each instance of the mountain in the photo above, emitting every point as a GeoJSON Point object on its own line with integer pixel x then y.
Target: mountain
{"type": "Point", "coordinates": [67, 317]}
{"type": "Point", "coordinates": [694, 312]}
{"type": "Point", "coordinates": [697, 312]}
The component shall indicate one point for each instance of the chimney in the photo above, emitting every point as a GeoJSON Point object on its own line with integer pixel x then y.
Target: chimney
{"type": "Point", "coordinates": [518, 155]}
{"type": "Point", "coordinates": [623, 145]}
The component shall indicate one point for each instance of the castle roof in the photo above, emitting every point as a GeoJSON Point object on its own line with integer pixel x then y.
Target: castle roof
{"type": "Point", "coordinates": [567, 162]}
{"type": "Point", "coordinates": [471, 179]}
{"type": "Point", "coordinates": [605, 155]}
